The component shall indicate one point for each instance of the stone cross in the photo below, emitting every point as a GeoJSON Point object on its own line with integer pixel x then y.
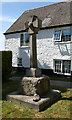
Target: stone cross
{"type": "Point", "coordinates": [32, 26]}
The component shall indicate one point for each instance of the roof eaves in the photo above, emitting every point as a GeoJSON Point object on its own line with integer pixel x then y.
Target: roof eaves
{"type": "Point", "coordinates": [49, 27]}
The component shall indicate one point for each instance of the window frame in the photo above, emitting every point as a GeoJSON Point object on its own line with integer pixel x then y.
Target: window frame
{"type": "Point", "coordinates": [62, 69]}
{"type": "Point", "coordinates": [62, 36]}
{"type": "Point", "coordinates": [24, 40]}
{"type": "Point", "coordinates": [18, 63]}
{"type": "Point", "coordinates": [56, 31]}
{"type": "Point", "coordinates": [21, 41]}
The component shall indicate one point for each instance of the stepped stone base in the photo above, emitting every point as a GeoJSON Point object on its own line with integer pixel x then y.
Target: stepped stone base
{"type": "Point", "coordinates": [43, 103]}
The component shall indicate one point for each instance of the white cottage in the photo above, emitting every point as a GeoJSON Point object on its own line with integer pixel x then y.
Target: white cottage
{"type": "Point", "coordinates": [54, 40]}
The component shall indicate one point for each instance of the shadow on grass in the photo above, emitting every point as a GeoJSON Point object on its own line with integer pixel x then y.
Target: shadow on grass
{"type": "Point", "coordinates": [70, 98]}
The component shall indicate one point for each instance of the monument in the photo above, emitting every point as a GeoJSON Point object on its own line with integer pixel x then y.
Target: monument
{"type": "Point", "coordinates": [34, 90]}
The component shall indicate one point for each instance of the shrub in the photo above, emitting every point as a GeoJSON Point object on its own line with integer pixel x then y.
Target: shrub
{"type": "Point", "coordinates": [6, 64]}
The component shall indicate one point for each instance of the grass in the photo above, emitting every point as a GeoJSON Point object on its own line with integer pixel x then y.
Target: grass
{"type": "Point", "coordinates": [61, 109]}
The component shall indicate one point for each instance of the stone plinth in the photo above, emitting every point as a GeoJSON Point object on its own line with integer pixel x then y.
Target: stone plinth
{"type": "Point", "coordinates": [33, 72]}
{"type": "Point", "coordinates": [34, 85]}
{"type": "Point", "coordinates": [51, 97]}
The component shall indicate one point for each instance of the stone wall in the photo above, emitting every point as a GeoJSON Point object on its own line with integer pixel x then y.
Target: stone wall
{"type": "Point", "coordinates": [47, 49]}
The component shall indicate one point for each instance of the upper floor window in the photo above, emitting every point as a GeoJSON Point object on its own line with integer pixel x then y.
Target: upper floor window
{"type": "Point", "coordinates": [66, 35]}
{"type": "Point", "coordinates": [62, 35]}
{"type": "Point", "coordinates": [57, 35]}
{"type": "Point", "coordinates": [24, 39]}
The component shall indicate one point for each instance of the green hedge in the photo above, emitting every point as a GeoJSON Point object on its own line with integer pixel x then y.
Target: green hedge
{"type": "Point", "coordinates": [6, 64]}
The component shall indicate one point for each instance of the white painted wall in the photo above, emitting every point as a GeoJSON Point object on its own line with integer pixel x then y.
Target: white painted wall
{"type": "Point", "coordinates": [12, 42]}
{"type": "Point", "coordinates": [47, 49]}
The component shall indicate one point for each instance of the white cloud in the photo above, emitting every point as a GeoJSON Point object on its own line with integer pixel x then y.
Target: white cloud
{"type": "Point", "coordinates": [6, 19]}
{"type": "Point", "coordinates": [33, 0]}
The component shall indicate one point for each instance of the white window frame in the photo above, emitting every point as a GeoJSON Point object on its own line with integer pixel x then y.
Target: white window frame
{"type": "Point", "coordinates": [61, 67]}
{"type": "Point", "coordinates": [67, 64]}
{"type": "Point", "coordinates": [24, 40]}
{"type": "Point", "coordinates": [57, 31]}
{"type": "Point", "coordinates": [54, 66]}
{"type": "Point", "coordinates": [21, 40]}
{"type": "Point", "coordinates": [62, 33]}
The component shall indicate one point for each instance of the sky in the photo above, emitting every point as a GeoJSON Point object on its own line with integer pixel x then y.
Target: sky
{"type": "Point", "coordinates": [10, 11]}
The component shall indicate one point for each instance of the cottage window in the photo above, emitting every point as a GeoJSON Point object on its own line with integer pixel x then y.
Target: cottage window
{"type": "Point", "coordinates": [57, 66]}
{"type": "Point", "coordinates": [19, 62]}
{"type": "Point", "coordinates": [24, 39]}
{"type": "Point", "coordinates": [66, 66]}
{"type": "Point", "coordinates": [62, 35]}
{"type": "Point", "coordinates": [57, 35]}
{"type": "Point", "coordinates": [62, 66]}
{"type": "Point", "coordinates": [66, 36]}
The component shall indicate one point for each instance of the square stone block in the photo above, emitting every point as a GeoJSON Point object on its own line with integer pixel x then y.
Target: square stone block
{"type": "Point", "coordinates": [34, 85]}
{"type": "Point", "coordinates": [33, 72]}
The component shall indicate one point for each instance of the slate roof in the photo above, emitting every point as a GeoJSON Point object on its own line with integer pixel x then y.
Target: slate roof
{"type": "Point", "coordinates": [56, 14]}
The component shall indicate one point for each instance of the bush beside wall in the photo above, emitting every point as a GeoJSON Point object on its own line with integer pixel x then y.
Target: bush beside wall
{"type": "Point", "coordinates": [6, 64]}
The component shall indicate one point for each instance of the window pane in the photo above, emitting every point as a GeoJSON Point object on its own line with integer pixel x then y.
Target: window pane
{"type": "Point", "coordinates": [66, 35]}
{"type": "Point", "coordinates": [57, 35]}
{"type": "Point", "coordinates": [26, 39]}
{"type": "Point", "coordinates": [57, 66]}
{"type": "Point", "coordinates": [66, 31]}
{"type": "Point", "coordinates": [67, 66]}
{"type": "Point", "coordinates": [22, 40]}
{"type": "Point", "coordinates": [19, 61]}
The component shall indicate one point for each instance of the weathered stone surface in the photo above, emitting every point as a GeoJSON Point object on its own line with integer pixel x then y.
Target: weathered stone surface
{"type": "Point", "coordinates": [33, 51]}
{"type": "Point", "coordinates": [45, 101]}
{"type": "Point", "coordinates": [34, 85]}
{"type": "Point", "coordinates": [33, 72]}
{"type": "Point", "coordinates": [33, 24]}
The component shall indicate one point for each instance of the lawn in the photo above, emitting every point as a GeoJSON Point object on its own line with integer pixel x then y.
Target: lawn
{"type": "Point", "coordinates": [61, 109]}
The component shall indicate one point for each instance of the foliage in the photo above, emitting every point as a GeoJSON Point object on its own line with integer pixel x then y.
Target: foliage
{"type": "Point", "coordinates": [6, 64]}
